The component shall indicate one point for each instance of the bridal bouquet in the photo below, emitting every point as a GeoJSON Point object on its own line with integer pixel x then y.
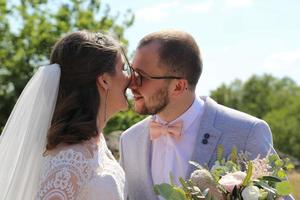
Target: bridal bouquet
{"type": "Point", "coordinates": [234, 178]}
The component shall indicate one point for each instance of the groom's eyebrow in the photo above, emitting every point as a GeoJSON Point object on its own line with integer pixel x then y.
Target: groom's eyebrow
{"type": "Point", "coordinates": [141, 72]}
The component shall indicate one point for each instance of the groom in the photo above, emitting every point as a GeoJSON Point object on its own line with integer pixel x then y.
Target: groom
{"type": "Point", "coordinates": [182, 126]}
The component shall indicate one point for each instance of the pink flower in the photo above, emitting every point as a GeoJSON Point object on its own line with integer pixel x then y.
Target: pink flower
{"type": "Point", "coordinates": [232, 179]}
{"type": "Point", "coordinates": [261, 168]}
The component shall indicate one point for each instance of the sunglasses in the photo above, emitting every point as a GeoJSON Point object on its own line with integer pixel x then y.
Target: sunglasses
{"type": "Point", "coordinates": [138, 77]}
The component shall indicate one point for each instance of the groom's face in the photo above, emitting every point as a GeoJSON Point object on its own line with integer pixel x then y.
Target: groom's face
{"type": "Point", "coordinates": [151, 96]}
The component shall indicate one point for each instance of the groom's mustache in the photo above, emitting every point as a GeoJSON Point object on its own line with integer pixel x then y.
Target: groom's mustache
{"type": "Point", "coordinates": [135, 92]}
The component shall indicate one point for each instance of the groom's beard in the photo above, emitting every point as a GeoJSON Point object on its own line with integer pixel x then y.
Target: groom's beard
{"type": "Point", "coordinates": [156, 102]}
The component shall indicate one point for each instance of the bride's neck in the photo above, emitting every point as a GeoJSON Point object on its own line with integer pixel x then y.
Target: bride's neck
{"type": "Point", "coordinates": [101, 122]}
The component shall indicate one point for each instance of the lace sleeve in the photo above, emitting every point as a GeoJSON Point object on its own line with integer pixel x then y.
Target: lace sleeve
{"type": "Point", "coordinates": [64, 176]}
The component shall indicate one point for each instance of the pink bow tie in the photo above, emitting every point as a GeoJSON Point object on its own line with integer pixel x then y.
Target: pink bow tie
{"type": "Point", "coordinates": [157, 129]}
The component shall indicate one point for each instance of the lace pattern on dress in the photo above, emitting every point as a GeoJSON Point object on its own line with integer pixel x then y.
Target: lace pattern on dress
{"type": "Point", "coordinates": [64, 176]}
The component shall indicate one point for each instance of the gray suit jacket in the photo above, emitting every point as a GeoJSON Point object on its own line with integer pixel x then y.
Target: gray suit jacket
{"type": "Point", "coordinates": [224, 125]}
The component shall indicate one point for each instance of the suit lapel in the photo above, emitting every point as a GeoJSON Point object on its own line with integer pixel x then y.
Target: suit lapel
{"type": "Point", "coordinates": [145, 162]}
{"type": "Point", "coordinates": [208, 136]}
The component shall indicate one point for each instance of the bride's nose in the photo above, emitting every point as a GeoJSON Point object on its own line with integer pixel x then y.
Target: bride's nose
{"type": "Point", "coordinates": [133, 83]}
{"type": "Point", "coordinates": [129, 81]}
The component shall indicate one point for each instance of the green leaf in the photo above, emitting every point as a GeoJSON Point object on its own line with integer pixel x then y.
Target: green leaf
{"type": "Point", "coordinates": [289, 166]}
{"type": "Point", "coordinates": [156, 189]}
{"type": "Point", "coordinates": [273, 158]}
{"type": "Point", "coordinates": [249, 174]}
{"type": "Point", "coordinates": [234, 154]}
{"type": "Point", "coordinates": [171, 178]}
{"type": "Point", "coordinates": [262, 195]}
{"type": "Point", "coordinates": [231, 166]}
{"type": "Point", "coordinates": [235, 192]}
{"type": "Point", "coordinates": [169, 192]}
{"type": "Point", "coordinates": [265, 186]}
{"type": "Point", "coordinates": [197, 165]}
{"type": "Point", "coordinates": [183, 183]}
{"type": "Point", "coordinates": [218, 171]}
{"type": "Point", "coordinates": [271, 178]}
{"type": "Point", "coordinates": [283, 188]}
{"type": "Point", "coordinates": [281, 174]}
{"type": "Point", "coordinates": [220, 152]}
{"type": "Point", "coordinates": [279, 163]}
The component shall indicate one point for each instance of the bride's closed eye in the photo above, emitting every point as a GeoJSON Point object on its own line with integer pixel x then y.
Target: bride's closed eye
{"type": "Point", "coordinates": [126, 69]}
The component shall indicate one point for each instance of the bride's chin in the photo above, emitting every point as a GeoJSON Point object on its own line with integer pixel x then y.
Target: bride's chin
{"type": "Point", "coordinates": [124, 108]}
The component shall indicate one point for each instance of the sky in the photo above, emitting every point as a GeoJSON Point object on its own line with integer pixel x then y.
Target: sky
{"type": "Point", "coordinates": [237, 38]}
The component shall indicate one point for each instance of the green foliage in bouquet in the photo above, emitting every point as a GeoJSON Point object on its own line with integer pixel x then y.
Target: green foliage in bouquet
{"type": "Point", "coordinates": [234, 178]}
{"type": "Point", "coordinates": [188, 191]}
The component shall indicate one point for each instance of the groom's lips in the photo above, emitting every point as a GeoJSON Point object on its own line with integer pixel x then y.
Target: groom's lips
{"type": "Point", "coordinates": [136, 97]}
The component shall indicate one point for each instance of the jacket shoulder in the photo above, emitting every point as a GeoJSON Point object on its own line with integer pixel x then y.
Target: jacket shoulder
{"type": "Point", "coordinates": [229, 118]}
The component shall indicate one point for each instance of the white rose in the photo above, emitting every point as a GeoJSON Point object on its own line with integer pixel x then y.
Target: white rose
{"type": "Point", "coordinates": [250, 193]}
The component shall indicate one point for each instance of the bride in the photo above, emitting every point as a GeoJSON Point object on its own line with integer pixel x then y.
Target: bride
{"type": "Point", "coordinates": [52, 146]}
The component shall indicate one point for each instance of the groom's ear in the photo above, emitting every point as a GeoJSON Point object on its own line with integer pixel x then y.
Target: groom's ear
{"type": "Point", "coordinates": [179, 87]}
{"type": "Point", "coordinates": [103, 81]}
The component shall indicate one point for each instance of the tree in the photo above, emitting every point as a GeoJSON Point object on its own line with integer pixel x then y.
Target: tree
{"type": "Point", "coordinates": [123, 120]}
{"type": "Point", "coordinates": [262, 94]}
{"type": "Point", "coordinates": [229, 95]}
{"type": "Point", "coordinates": [285, 125]}
{"type": "Point", "coordinates": [258, 95]}
{"type": "Point", "coordinates": [29, 28]}
{"type": "Point", "coordinates": [269, 98]}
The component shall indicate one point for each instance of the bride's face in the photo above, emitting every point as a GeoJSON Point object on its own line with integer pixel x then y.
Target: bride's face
{"type": "Point", "coordinates": [116, 99]}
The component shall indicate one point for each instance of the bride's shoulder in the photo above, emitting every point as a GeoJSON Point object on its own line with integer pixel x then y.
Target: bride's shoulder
{"type": "Point", "coordinates": [73, 156]}
{"type": "Point", "coordinates": [81, 151]}
{"type": "Point", "coordinates": [67, 169]}
{"type": "Point", "coordinates": [73, 159]}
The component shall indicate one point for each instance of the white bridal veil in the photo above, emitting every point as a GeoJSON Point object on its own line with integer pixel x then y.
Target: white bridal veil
{"type": "Point", "coordinates": [23, 139]}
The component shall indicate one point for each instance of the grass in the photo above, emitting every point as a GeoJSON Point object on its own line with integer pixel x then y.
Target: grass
{"type": "Point", "coordinates": [294, 179]}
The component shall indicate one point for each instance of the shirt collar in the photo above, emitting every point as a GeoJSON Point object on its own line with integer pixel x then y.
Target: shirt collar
{"type": "Point", "coordinates": [188, 116]}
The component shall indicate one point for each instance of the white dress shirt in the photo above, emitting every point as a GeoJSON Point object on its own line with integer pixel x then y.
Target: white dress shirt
{"type": "Point", "coordinates": [171, 155]}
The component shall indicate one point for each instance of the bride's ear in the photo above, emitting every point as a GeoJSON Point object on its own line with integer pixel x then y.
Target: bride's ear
{"type": "Point", "coordinates": [103, 81]}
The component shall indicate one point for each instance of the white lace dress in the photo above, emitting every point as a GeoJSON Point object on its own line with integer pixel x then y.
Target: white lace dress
{"type": "Point", "coordinates": [83, 171]}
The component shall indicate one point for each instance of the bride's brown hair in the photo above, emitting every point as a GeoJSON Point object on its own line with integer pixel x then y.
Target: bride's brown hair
{"type": "Point", "coordinates": [82, 57]}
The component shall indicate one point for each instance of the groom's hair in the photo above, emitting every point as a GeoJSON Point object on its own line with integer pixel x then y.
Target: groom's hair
{"type": "Point", "coordinates": [82, 57]}
{"type": "Point", "coordinates": [179, 52]}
